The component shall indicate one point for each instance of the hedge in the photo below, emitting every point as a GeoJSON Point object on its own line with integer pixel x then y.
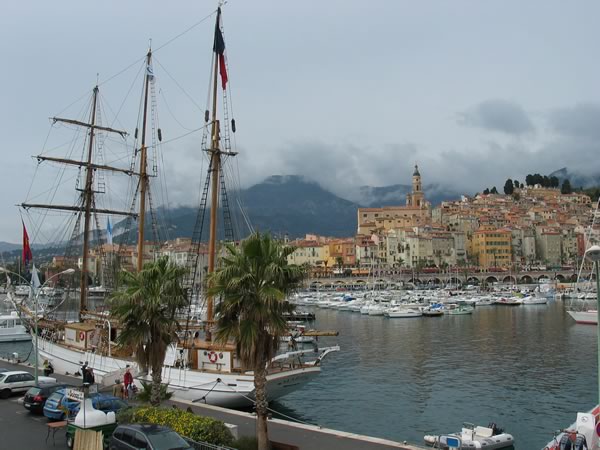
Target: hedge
{"type": "Point", "coordinates": [187, 424]}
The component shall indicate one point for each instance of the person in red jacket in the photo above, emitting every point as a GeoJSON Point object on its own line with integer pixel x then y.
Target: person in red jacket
{"type": "Point", "coordinates": [128, 382]}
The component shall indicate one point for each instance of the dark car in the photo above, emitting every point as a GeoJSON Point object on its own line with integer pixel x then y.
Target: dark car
{"type": "Point", "coordinates": [59, 407]}
{"type": "Point", "coordinates": [147, 437]}
{"type": "Point", "coordinates": [35, 398]}
{"type": "Point", "coordinates": [3, 370]}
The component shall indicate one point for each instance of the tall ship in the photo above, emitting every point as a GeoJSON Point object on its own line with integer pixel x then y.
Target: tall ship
{"type": "Point", "coordinates": [196, 368]}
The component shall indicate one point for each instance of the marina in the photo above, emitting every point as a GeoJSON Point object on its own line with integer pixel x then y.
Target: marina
{"type": "Point", "coordinates": [403, 379]}
{"type": "Point", "coordinates": [427, 375]}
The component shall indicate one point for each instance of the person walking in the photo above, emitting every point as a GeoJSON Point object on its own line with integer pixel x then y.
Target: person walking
{"type": "Point", "coordinates": [118, 390]}
{"type": "Point", "coordinates": [88, 376]}
{"type": "Point", "coordinates": [128, 381]}
{"type": "Point", "coordinates": [84, 371]}
{"type": "Point", "coordinates": [48, 368]}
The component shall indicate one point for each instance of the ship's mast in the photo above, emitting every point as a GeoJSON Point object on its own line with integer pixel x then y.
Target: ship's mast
{"type": "Point", "coordinates": [143, 169]}
{"type": "Point", "coordinates": [214, 170]}
{"type": "Point", "coordinates": [87, 206]}
{"type": "Point", "coordinates": [87, 203]}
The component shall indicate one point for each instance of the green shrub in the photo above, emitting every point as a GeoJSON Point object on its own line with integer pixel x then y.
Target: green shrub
{"type": "Point", "coordinates": [125, 415]}
{"type": "Point", "coordinates": [246, 443]}
{"type": "Point", "coordinates": [146, 392]}
{"type": "Point", "coordinates": [197, 428]}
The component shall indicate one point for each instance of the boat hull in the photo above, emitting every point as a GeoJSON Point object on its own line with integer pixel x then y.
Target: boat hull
{"type": "Point", "coordinates": [230, 390]}
{"type": "Point", "coordinates": [584, 317]}
{"type": "Point", "coordinates": [17, 337]}
{"type": "Point", "coordinates": [403, 314]}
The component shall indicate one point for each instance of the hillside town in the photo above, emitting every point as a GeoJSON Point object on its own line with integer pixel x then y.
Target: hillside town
{"type": "Point", "coordinates": [533, 228]}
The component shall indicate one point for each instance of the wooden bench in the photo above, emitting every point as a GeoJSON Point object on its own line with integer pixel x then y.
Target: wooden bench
{"type": "Point", "coordinates": [53, 427]}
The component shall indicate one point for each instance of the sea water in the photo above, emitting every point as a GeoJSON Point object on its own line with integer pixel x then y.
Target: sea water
{"type": "Point", "coordinates": [529, 369]}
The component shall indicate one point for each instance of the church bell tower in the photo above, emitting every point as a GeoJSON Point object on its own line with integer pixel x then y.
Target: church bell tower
{"type": "Point", "coordinates": [416, 199]}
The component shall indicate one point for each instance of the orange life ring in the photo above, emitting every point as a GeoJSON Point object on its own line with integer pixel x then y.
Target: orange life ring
{"type": "Point", "coordinates": [212, 357]}
{"type": "Point", "coordinates": [81, 336]}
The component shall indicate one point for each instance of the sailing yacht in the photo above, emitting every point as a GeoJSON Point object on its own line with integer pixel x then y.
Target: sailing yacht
{"type": "Point", "coordinates": [196, 368]}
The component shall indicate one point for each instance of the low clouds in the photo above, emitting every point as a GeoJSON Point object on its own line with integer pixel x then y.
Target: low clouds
{"type": "Point", "coordinates": [565, 137]}
{"type": "Point", "coordinates": [498, 115]}
{"type": "Point", "coordinates": [341, 168]}
{"type": "Point", "coordinates": [581, 121]}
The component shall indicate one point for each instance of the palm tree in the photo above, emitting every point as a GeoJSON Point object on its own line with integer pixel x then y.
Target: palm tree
{"type": "Point", "coordinates": [253, 281]}
{"type": "Point", "coordinates": [146, 308]}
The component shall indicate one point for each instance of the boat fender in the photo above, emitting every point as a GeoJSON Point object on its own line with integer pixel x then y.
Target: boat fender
{"type": "Point", "coordinates": [135, 135]}
{"type": "Point", "coordinates": [233, 125]}
{"type": "Point", "coordinates": [159, 135]}
{"type": "Point", "coordinates": [206, 115]}
{"type": "Point", "coordinates": [212, 357]}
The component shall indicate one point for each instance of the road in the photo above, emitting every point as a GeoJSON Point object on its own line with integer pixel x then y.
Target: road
{"type": "Point", "coordinates": [22, 430]}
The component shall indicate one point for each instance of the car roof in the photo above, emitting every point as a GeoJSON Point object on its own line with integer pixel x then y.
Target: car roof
{"type": "Point", "coordinates": [55, 386]}
{"type": "Point", "coordinates": [147, 428]}
{"type": "Point", "coordinates": [99, 395]}
{"type": "Point", "coordinates": [14, 372]}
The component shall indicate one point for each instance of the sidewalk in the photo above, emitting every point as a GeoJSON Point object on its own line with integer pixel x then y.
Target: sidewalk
{"type": "Point", "coordinates": [305, 437]}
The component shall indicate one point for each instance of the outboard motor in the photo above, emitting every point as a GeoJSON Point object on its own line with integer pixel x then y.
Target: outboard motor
{"type": "Point", "coordinates": [572, 441]}
{"type": "Point", "coordinates": [581, 443]}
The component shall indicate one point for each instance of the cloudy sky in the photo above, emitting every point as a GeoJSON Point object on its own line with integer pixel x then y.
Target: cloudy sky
{"type": "Point", "coordinates": [346, 92]}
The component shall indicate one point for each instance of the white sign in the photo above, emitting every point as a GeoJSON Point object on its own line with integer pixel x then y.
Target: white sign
{"type": "Point", "coordinates": [74, 394]}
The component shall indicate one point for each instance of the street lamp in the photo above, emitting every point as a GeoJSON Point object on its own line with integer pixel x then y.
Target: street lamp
{"type": "Point", "coordinates": [35, 300]}
{"type": "Point", "coordinates": [593, 255]}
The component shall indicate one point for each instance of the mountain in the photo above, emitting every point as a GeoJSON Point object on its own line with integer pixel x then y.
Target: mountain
{"type": "Point", "coordinates": [577, 179]}
{"type": "Point", "coordinates": [292, 205]}
{"type": "Point", "coordinates": [296, 205]}
{"type": "Point", "coordinates": [8, 247]}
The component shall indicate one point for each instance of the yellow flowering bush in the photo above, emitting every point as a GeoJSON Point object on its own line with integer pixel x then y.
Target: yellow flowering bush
{"type": "Point", "coordinates": [187, 424]}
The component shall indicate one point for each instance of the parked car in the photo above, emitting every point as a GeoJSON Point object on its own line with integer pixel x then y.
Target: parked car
{"type": "Point", "coordinates": [35, 398]}
{"type": "Point", "coordinates": [59, 407]}
{"type": "Point", "coordinates": [15, 381]}
{"type": "Point", "coordinates": [148, 437]}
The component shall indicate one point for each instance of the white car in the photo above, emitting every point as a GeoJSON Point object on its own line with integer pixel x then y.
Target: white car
{"type": "Point", "coordinates": [20, 381]}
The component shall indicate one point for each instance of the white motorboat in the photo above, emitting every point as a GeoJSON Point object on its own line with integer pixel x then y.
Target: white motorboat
{"type": "Point", "coordinates": [473, 437]}
{"type": "Point", "coordinates": [535, 300]}
{"type": "Point", "coordinates": [586, 317]}
{"type": "Point", "coordinates": [461, 311]}
{"type": "Point", "coordinates": [376, 310]}
{"type": "Point", "coordinates": [11, 329]}
{"type": "Point", "coordinates": [403, 313]}
{"type": "Point", "coordinates": [579, 435]}
{"type": "Point", "coordinates": [509, 301]}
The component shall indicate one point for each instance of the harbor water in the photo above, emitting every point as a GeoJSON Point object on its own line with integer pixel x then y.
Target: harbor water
{"type": "Point", "coordinates": [529, 369]}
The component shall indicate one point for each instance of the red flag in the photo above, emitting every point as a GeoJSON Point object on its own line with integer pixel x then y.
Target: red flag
{"type": "Point", "coordinates": [219, 49]}
{"type": "Point", "coordinates": [27, 255]}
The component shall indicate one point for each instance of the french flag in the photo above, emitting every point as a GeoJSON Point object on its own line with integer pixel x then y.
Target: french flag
{"type": "Point", "coordinates": [219, 49]}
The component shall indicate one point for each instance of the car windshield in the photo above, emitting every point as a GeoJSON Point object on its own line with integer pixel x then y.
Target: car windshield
{"type": "Point", "coordinates": [55, 397]}
{"type": "Point", "coordinates": [2, 377]}
{"type": "Point", "coordinates": [167, 440]}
